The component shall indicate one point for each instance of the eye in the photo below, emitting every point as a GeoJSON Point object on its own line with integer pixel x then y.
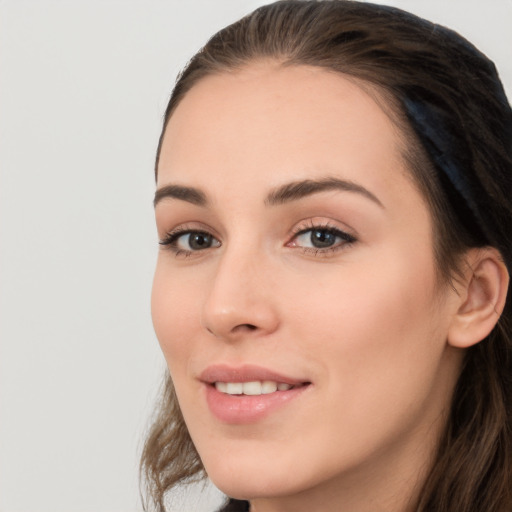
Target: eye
{"type": "Point", "coordinates": [321, 239]}
{"type": "Point", "coordinates": [187, 242]}
{"type": "Point", "coordinates": [317, 238]}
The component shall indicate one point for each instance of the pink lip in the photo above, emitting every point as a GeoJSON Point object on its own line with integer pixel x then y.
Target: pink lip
{"type": "Point", "coordinates": [245, 373]}
{"type": "Point", "coordinates": [244, 409]}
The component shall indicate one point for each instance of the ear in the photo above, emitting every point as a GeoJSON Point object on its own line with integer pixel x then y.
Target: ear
{"type": "Point", "coordinates": [482, 297]}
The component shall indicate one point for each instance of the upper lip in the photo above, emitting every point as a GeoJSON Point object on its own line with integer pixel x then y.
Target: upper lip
{"type": "Point", "coordinates": [245, 373]}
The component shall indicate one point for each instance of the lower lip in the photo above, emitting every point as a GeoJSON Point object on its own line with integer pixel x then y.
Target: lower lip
{"type": "Point", "coordinates": [244, 409]}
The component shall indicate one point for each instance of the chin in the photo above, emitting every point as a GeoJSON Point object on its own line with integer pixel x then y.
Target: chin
{"type": "Point", "coordinates": [263, 476]}
{"type": "Point", "coordinates": [252, 485]}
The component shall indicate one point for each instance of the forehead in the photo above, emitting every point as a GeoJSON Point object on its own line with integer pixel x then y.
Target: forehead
{"type": "Point", "coordinates": [269, 123]}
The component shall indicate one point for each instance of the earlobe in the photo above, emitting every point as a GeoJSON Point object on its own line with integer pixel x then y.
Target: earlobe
{"type": "Point", "coordinates": [483, 297]}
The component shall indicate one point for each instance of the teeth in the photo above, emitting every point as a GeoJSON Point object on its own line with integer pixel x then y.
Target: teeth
{"type": "Point", "coordinates": [268, 386]}
{"type": "Point", "coordinates": [251, 388]}
{"type": "Point", "coordinates": [234, 388]}
{"type": "Point", "coordinates": [221, 386]}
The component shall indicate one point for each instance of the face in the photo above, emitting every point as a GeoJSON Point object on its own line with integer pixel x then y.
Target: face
{"type": "Point", "coordinates": [295, 296]}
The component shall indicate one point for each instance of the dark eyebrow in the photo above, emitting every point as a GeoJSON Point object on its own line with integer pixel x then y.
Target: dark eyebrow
{"type": "Point", "coordinates": [189, 194]}
{"type": "Point", "coordinates": [283, 194]}
{"type": "Point", "coordinates": [299, 189]}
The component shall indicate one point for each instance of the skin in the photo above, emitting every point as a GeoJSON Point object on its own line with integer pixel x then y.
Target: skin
{"type": "Point", "coordinates": [366, 322]}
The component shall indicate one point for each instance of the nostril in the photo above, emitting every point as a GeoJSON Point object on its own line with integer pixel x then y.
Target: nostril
{"type": "Point", "coordinates": [240, 328]}
{"type": "Point", "coordinates": [248, 327]}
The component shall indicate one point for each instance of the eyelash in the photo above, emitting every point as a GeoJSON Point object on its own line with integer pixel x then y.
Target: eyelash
{"type": "Point", "coordinates": [311, 226]}
{"type": "Point", "coordinates": [170, 240]}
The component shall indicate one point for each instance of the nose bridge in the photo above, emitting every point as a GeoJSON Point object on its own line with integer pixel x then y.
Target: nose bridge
{"type": "Point", "coordinates": [238, 300]}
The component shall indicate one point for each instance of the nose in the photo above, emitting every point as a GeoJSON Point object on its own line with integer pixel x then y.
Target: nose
{"type": "Point", "coordinates": [241, 298]}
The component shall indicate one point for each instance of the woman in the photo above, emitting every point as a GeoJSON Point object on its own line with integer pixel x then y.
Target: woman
{"type": "Point", "coordinates": [334, 211]}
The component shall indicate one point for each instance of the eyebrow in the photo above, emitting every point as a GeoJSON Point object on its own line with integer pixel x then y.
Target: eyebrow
{"type": "Point", "coordinates": [299, 189]}
{"type": "Point", "coordinates": [189, 194]}
{"type": "Point", "coordinates": [281, 195]}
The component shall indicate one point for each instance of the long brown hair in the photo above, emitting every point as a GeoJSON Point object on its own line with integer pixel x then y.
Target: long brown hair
{"type": "Point", "coordinates": [456, 125]}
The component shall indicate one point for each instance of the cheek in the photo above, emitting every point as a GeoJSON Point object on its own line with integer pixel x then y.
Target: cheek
{"type": "Point", "coordinates": [174, 313]}
{"type": "Point", "coordinates": [376, 354]}
{"type": "Point", "coordinates": [372, 331]}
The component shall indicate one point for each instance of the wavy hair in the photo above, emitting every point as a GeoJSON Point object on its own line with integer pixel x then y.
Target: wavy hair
{"type": "Point", "coordinates": [456, 125]}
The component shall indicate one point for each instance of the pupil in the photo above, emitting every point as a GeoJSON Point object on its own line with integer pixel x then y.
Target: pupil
{"type": "Point", "coordinates": [321, 239]}
{"type": "Point", "coordinates": [200, 241]}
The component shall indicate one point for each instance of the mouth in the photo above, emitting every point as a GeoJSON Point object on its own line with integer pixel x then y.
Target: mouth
{"type": "Point", "coordinates": [255, 387]}
{"type": "Point", "coordinates": [248, 394]}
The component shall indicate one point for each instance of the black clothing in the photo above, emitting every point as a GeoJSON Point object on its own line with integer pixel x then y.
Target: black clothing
{"type": "Point", "coordinates": [235, 506]}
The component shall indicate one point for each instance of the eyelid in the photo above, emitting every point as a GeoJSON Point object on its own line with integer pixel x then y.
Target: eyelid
{"type": "Point", "coordinates": [347, 236]}
{"type": "Point", "coordinates": [174, 235]}
{"type": "Point", "coordinates": [322, 223]}
{"type": "Point", "coordinates": [170, 238]}
{"type": "Point", "coordinates": [187, 227]}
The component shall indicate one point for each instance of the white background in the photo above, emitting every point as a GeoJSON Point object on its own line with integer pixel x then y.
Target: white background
{"type": "Point", "coordinates": [83, 86]}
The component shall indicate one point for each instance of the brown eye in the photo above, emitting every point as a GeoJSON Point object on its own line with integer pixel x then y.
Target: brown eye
{"type": "Point", "coordinates": [198, 241]}
{"type": "Point", "coordinates": [190, 241]}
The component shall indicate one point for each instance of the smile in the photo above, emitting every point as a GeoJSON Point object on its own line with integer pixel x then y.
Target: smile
{"type": "Point", "coordinates": [251, 388]}
{"type": "Point", "coordinates": [248, 394]}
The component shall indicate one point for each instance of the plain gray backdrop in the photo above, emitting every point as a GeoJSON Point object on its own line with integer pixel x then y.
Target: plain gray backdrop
{"type": "Point", "coordinates": [83, 86]}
